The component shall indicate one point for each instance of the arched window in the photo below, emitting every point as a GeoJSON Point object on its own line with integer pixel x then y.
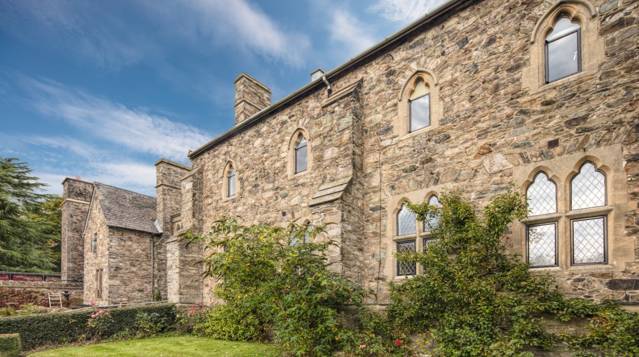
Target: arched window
{"type": "Point", "coordinates": [563, 49]}
{"type": "Point", "coordinates": [230, 181]}
{"type": "Point", "coordinates": [541, 238]}
{"type": "Point", "coordinates": [589, 234]}
{"type": "Point", "coordinates": [301, 154]}
{"type": "Point", "coordinates": [541, 195]}
{"type": "Point", "coordinates": [419, 102]}
{"type": "Point", "coordinates": [419, 105]}
{"type": "Point", "coordinates": [406, 229]}
{"type": "Point", "coordinates": [432, 221]}
{"type": "Point", "coordinates": [406, 221]}
{"type": "Point", "coordinates": [588, 188]}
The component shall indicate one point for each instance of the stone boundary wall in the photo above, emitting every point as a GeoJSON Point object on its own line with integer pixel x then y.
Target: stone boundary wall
{"type": "Point", "coordinates": [15, 293]}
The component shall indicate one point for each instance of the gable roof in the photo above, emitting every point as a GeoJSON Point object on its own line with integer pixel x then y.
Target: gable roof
{"type": "Point", "coordinates": [127, 209]}
{"type": "Point", "coordinates": [426, 22]}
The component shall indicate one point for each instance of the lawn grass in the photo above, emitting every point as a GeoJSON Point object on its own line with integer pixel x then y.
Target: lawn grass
{"type": "Point", "coordinates": [165, 346]}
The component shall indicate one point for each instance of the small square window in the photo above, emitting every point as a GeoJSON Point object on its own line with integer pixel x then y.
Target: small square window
{"type": "Point", "coordinates": [542, 245]}
{"type": "Point", "coordinates": [589, 240]}
{"type": "Point", "coordinates": [406, 268]}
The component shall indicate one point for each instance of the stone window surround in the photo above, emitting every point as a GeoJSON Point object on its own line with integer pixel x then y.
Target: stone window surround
{"type": "Point", "coordinates": [390, 266]}
{"type": "Point", "coordinates": [592, 46]}
{"type": "Point", "coordinates": [561, 171]}
{"type": "Point", "coordinates": [225, 184]}
{"type": "Point", "coordinates": [402, 121]}
{"type": "Point", "coordinates": [291, 153]}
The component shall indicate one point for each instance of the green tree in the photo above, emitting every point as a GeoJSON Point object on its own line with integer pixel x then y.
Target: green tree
{"type": "Point", "coordinates": [29, 221]}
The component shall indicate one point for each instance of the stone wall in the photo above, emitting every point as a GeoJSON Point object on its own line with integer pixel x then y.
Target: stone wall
{"type": "Point", "coordinates": [131, 275]}
{"type": "Point", "coordinates": [492, 123]}
{"type": "Point", "coordinates": [76, 195]}
{"type": "Point", "coordinates": [17, 293]}
{"type": "Point", "coordinates": [96, 227]}
{"type": "Point", "coordinates": [251, 96]}
{"type": "Point", "coordinates": [169, 200]}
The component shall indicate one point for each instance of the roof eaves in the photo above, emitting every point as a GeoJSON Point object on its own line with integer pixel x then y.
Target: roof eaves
{"type": "Point", "coordinates": [447, 8]}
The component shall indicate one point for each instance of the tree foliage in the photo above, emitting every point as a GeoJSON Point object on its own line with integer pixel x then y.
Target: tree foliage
{"type": "Point", "coordinates": [277, 287]}
{"type": "Point", "coordinates": [474, 299]}
{"type": "Point", "coordinates": [29, 221]}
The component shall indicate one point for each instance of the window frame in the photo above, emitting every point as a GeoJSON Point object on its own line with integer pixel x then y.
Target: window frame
{"type": "Point", "coordinates": [296, 150]}
{"type": "Point", "coordinates": [231, 183]}
{"type": "Point", "coordinates": [546, 54]}
{"type": "Point", "coordinates": [398, 242]}
{"type": "Point", "coordinates": [570, 190]}
{"type": "Point", "coordinates": [410, 113]}
{"type": "Point", "coordinates": [604, 217]}
{"type": "Point", "coordinates": [537, 224]}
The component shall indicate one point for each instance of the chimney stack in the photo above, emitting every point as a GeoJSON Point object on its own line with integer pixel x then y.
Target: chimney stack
{"type": "Point", "coordinates": [251, 96]}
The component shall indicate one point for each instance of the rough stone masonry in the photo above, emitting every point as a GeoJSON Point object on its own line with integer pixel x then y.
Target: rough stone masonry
{"type": "Point", "coordinates": [496, 124]}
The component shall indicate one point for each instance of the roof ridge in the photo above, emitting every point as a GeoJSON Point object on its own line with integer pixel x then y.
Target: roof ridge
{"type": "Point", "coordinates": [122, 189]}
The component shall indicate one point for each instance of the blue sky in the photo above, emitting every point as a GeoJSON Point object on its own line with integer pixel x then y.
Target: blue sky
{"type": "Point", "coordinates": [102, 89]}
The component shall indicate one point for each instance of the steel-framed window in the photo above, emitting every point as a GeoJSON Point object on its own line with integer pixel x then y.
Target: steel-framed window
{"type": "Point", "coordinates": [557, 36]}
{"type": "Point", "coordinates": [541, 230]}
{"type": "Point", "coordinates": [589, 230]}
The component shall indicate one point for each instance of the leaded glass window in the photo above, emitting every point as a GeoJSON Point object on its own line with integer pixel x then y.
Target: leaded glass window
{"type": "Point", "coordinates": [301, 153]}
{"type": "Point", "coordinates": [588, 188]}
{"type": "Point", "coordinates": [432, 220]}
{"type": "Point", "coordinates": [403, 267]}
{"type": "Point", "coordinates": [541, 195]}
{"type": "Point", "coordinates": [419, 102]}
{"type": "Point", "coordinates": [589, 240]}
{"type": "Point", "coordinates": [231, 182]}
{"type": "Point", "coordinates": [406, 221]}
{"type": "Point", "coordinates": [563, 52]}
{"type": "Point", "coordinates": [542, 245]}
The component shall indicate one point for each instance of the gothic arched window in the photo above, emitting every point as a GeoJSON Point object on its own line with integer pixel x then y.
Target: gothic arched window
{"type": "Point", "coordinates": [541, 239]}
{"type": "Point", "coordinates": [301, 154]}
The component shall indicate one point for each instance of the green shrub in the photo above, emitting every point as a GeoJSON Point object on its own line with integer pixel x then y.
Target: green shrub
{"type": "Point", "coordinates": [187, 317]}
{"type": "Point", "coordinates": [476, 300]}
{"type": "Point", "coordinates": [277, 288]}
{"type": "Point", "coordinates": [10, 345]}
{"type": "Point", "coordinates": [76, 325]}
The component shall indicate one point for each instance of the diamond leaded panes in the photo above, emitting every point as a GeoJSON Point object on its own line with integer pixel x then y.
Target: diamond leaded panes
{"type": "Point", "coordinates": [589, 240]}
{"type": "Point", "coordinates": [542, 195]}
{"type": "Point", "coordinates": [406, 221]}
{"type": "Point", "coordinates": [542, 245]}
{"type": "Point", "coordinates": [406, 268]}
{"type": "Point", "coordinates": [588, 188]}
{"type": "Point", "coordinates": [432, 220]}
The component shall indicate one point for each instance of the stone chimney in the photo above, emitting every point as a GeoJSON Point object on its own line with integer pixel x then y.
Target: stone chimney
{"type": "Point", "coordinates": [75, 209]}
{"type": "Point", "coordinates": [251, 96]}
{"type": "Point", "coordinates": [167, 191]}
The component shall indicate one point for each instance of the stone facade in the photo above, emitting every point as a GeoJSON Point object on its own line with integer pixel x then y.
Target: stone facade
{"type": "Point", "coordinates": [75, 207]}
{"type": "Point", "coordinates": [494, 127]}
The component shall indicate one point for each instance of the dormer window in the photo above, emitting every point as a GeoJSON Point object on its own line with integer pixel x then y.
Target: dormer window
{"type": "Point", "coordinates": [563, 50]}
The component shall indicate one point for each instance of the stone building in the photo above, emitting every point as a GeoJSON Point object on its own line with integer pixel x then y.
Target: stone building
{"type": "Point", "coordinates": [477, 97]}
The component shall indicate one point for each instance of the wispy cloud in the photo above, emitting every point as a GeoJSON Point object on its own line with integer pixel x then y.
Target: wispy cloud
{"type": "Point", "coordinates": [137, 129]}
{"type": "Point", "coordinates": [72, 145]}
{"type": "Point", "coordinates": [237, 23]}
{"type": "Point", "coordinates": [349, 31]}
{"type": "Point", "coordinates": [404, 10]}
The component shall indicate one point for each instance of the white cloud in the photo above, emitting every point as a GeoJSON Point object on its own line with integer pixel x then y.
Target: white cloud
{"type": "Point", "coordinates": [236, 23]}
{"type": "Point", "coordinates": [350, 31]}
{"type": "Point", "coordinates": [75, 146]}
{"type": "Point", "coordinates": [135, 129]}
{"type": "Point", "coordinates": [404, 10]}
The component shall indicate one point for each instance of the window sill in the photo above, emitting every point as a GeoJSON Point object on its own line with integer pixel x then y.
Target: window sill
{"type": "Point", "coordinates": [404, 238]}
{"type": "Point", "coordinates": [417, 132]}
{"type": "Point", "coordinates": [545, 269]}
{"type": "Point", "coordinates": [603, 267]}
{"type": "Point", "coordinates": [403, 277]}
{"type": "Point", "coordinates": [552, 85]}
{"type": "Point", "coordinates": [229, 198]}
{"type": "Point", "coordinates": [299, 174]}
{"type": "Point", "coordinates": [542, 218]}
{"type": "Point", "coordinates": [588, 212]}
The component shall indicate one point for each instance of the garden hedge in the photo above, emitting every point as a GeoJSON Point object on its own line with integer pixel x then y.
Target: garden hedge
{"type": "Point", "coordinates": [71, 326]}
{"type": "Point", "coordinates": [10, 345]}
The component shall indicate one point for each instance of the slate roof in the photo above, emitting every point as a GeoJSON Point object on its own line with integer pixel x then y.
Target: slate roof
{"type": "Point", "coordinates": [127, 209]}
